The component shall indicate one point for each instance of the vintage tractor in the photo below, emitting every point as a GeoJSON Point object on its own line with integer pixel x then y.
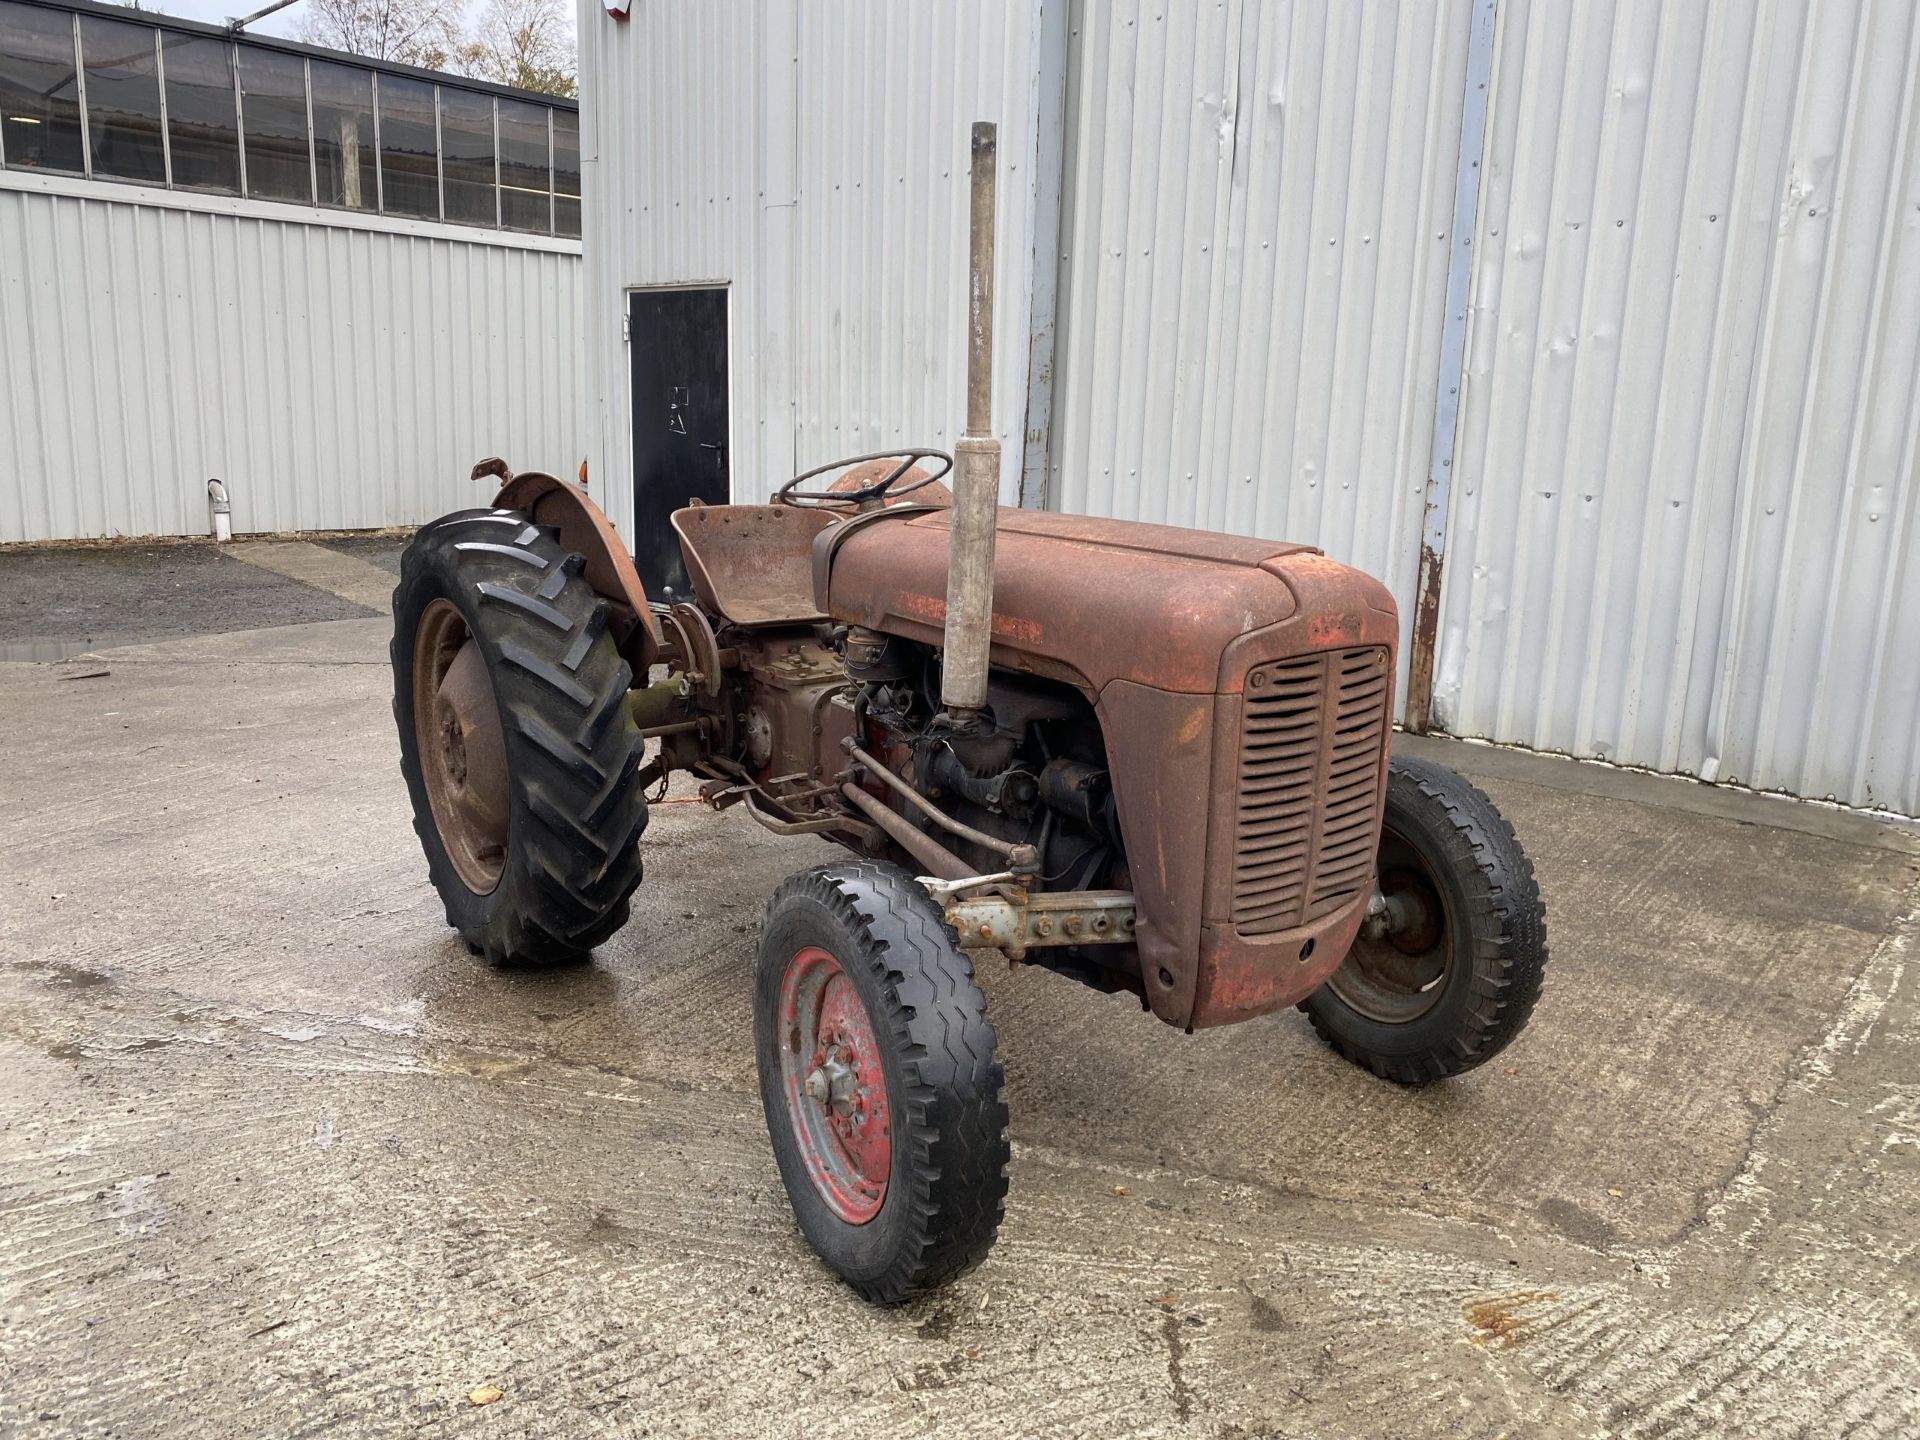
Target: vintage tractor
{"type": "Point", "coordinates": [1152, 760]}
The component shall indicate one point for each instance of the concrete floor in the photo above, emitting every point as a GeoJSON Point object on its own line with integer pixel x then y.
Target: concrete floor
{"type": "Point", "coordinates": [278, 1157]}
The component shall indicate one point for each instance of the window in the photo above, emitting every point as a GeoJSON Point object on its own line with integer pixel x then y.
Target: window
{"type": "Point", "coordinates": [343, 136]}
{"type": "Point", "coordinates": [39, 91]}
{"type": "Point", "coordinates": [201, 125]}
{"type": "Point", "coordinates": [466, 156]}
{"type": "Point", "coordinates": [526, 192]}
{"type": "Point", "coordinates": [409, 177]}
{"type": "Point", "coordinates": [566, 173]}
{"type": "Point", "coordinates": [200, 112]}
{"type": "Point", "coordinates": [273, 110]}
{"type": "Point", "coordinates": [123, 100]}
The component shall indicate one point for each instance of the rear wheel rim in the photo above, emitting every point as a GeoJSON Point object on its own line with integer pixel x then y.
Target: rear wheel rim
{"type": "Point", "coordinates": [835, 1085]}
{"type": "Point", "coordinates": [457, 733]}
{"type": "Point", "coordinates": [1396, 977]}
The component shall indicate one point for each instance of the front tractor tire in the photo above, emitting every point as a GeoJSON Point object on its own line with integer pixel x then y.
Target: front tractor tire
{"type": "Point", "coordinates": [1446, 970]}
{"type": "Point", "coordinates": [878, 1077]}
{"type": "Point", "coordinates": [516, 743]}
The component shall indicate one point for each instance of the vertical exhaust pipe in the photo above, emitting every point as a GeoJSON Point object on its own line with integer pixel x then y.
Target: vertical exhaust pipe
{"type": "Point", "coordinates": [976, 480]}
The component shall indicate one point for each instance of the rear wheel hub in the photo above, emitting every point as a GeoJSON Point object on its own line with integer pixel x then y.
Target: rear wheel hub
{"type": "Point", "coordinates": [462, 750]}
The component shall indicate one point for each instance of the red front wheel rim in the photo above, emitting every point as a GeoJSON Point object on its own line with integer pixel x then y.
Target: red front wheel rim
{"type": "Point", "coordinates": [835, 1086]}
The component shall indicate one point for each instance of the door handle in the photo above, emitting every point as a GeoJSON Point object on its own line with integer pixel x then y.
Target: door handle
{"type": "Point", "coordinates": [720, 456]}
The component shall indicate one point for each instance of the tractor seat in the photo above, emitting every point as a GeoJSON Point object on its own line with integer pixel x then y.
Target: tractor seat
{"type": "Point", "coordinates": [751, 563]}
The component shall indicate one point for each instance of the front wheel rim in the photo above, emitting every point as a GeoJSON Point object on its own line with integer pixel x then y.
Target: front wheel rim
{"type": "Point", "coordinates": [834, 1085]}
{"type": "Point", "coordinates": [1399, 975]}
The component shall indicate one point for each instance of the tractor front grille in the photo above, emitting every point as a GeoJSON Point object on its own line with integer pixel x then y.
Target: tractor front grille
{"type": "Point", "coordinates": [1305, 831]}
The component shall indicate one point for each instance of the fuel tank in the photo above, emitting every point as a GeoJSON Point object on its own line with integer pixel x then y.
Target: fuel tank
{"type": "Point", "coordinates": [1244, 690]}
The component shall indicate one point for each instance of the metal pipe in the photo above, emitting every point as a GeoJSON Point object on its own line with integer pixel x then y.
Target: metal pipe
{"type": "Point", "coordinates": [234, 27]}
{"type": "Point", "coordinates": [929, 852]}
{"type": "Point", "coordinates": [657, 704]}
{"type": "Point", "coordinates": [822, 825]}
{"type": "Point", "coordinates": [933, 812]}
{"type": "Point", "coordinates": [679, 727]}
{"type": "Point", "coordinates": [976, 478]}
{"type": "Point", "coordinates": [221, 509]}
{"type": "Point", "coordinates": [980, 218]}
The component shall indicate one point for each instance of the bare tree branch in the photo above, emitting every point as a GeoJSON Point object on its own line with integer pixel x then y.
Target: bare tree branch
{"type": "Point", "coordinates": [527, 43]}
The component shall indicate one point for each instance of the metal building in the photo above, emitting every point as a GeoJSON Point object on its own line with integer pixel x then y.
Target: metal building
{"type": "Point", "coordinates": [326, 282]}
{"type": "Point", "coordinates": [1594, 328]}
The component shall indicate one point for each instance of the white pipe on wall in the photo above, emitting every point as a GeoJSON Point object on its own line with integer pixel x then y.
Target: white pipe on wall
{"type": "Point", "coordinates": [222, 510]}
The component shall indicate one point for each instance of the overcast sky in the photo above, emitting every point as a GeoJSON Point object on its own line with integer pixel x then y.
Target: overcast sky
{"type": "Point", "coordinates": [218, 12]}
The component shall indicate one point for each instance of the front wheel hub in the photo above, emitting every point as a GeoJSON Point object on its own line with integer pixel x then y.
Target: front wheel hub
{"type": "Point", "coordinates": [835, 1086]}
{"type": "Point", "coordinates": [1397, 967]}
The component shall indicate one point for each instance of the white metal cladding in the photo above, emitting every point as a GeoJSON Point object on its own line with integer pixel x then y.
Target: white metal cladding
{"type": "Point", "coordinates": [811, 157]}
{"type": "Point", "coordinates": [1684, 531]}
{"type": "Point", "coordinates": [1682, 528]}
{"type": "Point", "coordinates": [335, 372]}
{"type": "Point", "coordinates": [1253, 270]}
{"type": "Point", "coordinates": [888, 96]}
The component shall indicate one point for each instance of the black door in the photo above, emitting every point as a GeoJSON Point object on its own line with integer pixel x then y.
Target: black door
{"type": "Point", "coordinates": [679, 344]}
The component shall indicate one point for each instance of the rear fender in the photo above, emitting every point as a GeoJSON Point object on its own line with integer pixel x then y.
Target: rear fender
{"type": "Point", "coordinates": [584, 527]}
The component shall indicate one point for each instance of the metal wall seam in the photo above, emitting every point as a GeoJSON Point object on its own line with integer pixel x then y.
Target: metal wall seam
{"type": "Point", "coordinates": [882, 224]}
{"type": "Point", "coordinates": [334, 377]}
{"type": "Point", "coordinates": [1684, 520]}
{"type": "Point", "coordinates": [1453, 350]}
{"type": "Point", "coordinates": [1047, 104]}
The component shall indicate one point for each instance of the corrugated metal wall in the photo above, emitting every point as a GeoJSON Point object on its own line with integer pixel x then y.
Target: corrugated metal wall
{"type": "Point", "coordinates": [1684, 531]}
{"type": "Point", "coordinates": [335, 375]}
{"type": "Point", "coordinates": [686, 178]}
{"type": "Point", "coordinates": [1254, 262]}
{"type": "Point", "coordinates": [1681, 527]}
{"type": "Point", "coordinates": [812, 157]}
{"type": "Point", "coordinates": [887, 98]}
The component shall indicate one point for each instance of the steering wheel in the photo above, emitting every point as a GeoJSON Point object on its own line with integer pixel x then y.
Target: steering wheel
{"type": "Point", "coordinates": [881, 490]}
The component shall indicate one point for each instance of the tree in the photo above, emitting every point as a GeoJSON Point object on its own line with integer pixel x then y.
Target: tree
{"type": "Point", "coordinates": [526, 43]}
{"type": "Point", "coordinates": [426, 33]}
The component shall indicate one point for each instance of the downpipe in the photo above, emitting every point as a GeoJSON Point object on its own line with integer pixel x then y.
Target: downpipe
{"type": "Point", "coordinates": [976, 487]}
{"type": "Point", "coordinates": [221, 510]}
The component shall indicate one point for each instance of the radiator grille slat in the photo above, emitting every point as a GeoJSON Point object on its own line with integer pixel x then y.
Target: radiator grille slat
{"type": "Point", "coordinates": [1305, 829]}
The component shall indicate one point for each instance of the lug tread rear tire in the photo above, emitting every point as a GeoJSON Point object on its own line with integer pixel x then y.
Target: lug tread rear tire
{"type": "Point", "coordinates": [948, 1189]}
{"type": "Point", "coordinates": [1505, 917]}
{"type": "Point", "coordinates": [573, 752]}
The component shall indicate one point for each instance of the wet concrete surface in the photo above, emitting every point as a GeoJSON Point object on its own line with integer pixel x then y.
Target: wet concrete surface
{"type": "Point", "coordinates": [277, 1156]}
{"type": "Point", "coordinates": [59, 601]}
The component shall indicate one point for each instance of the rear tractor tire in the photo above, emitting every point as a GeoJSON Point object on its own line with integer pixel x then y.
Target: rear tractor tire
{"type": "Point", "coordinates": [878, 1076]}
{"type": "Point", "coordinates": [515, 739]}
{"type": "Point", "coordinates": [1444, 977]}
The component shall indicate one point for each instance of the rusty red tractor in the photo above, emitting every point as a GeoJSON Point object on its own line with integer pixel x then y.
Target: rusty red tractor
{"type": "Point", "coordinates": [1149, 759]}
